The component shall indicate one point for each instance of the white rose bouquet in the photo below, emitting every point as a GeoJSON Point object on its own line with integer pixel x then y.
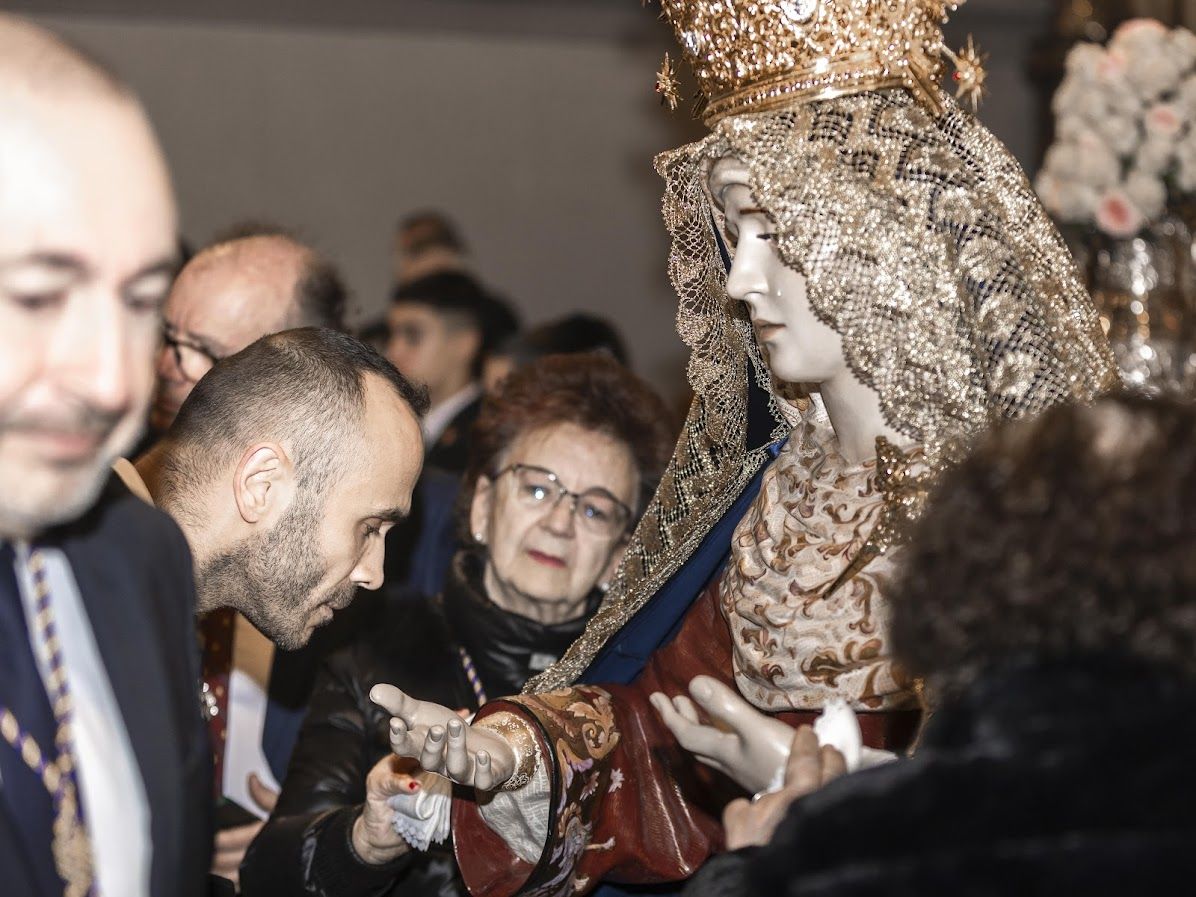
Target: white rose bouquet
{"type": "Point", "coordinates": [1125, 147]}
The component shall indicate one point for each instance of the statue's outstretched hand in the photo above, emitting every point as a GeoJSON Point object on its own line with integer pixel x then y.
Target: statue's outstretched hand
{"type": "Point", "coordinates": [441, 742]}
{"type": "Point", "coordinates": [741, 742]}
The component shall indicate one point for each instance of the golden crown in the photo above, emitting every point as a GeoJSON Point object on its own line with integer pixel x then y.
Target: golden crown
{"type": "Point", "coordinates": [754, 55]}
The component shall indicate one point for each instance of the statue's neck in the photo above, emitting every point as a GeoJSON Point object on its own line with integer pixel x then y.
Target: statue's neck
{"type": "Point", "coordinates": [855, 414]}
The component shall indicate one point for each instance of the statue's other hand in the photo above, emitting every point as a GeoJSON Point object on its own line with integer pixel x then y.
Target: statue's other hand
{"type": "Point", "coordinates": [440, 741]}
{"type": "Point", "coordinates": [740, 741]}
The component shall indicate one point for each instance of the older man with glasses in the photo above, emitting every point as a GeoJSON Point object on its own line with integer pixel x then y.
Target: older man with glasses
{"type": "Point", "coordinates": [254, 281]}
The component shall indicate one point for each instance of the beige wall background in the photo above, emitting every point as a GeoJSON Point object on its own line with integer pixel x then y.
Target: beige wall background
{"type": "Point", "coordinates": [538, 142]}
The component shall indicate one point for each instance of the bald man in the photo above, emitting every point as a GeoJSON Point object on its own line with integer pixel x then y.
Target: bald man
{"type": "Point", "coordinates": [104, 766]}
{"type": "Point", "coordinates": [257, 281]}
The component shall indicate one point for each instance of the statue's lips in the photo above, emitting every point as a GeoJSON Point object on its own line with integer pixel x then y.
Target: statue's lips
{"type": "Point", "coordinates": [765, 330]}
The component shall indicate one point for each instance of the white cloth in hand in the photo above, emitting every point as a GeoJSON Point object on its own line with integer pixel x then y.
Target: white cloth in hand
{"type": "Point", "coordinates": [423, 818]}
{"type": "Point", "coordinates": [839, 728]}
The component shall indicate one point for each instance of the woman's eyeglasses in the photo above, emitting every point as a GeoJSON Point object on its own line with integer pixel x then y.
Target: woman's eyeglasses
{"type": "Point", "coordinates": [597, 511]}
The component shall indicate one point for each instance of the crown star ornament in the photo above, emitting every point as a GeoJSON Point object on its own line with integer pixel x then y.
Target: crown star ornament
{"type": "Point", "coordinates": [667, 85]}
{"type": "Point", "coordinates": [756, 55]}
{"type": "Point", "coordinates": [969, 76]}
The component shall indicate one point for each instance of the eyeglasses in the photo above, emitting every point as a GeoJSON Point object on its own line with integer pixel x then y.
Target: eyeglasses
{"type": "Point", "coordinates": [597, 511]}
{"type": "Point", "coordinates": [192, 359]}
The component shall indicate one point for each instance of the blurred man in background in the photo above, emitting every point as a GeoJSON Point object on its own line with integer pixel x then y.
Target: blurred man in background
{"type": "Point", "coordinates": [441, 327]}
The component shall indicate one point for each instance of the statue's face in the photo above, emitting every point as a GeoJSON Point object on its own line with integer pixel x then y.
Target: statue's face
{"type": "Point", "coordinates": [798, 346]}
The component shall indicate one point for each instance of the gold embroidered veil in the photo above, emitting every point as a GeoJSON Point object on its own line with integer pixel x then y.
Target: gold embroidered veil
{"type": "Point", "coordinates": [921, 240]}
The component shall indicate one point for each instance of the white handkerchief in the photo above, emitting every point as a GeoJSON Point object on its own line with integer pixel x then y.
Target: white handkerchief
{"type": "Point", "coordinates": [838, 727]}
{"type": "Point", "coordinates": [422, 818]}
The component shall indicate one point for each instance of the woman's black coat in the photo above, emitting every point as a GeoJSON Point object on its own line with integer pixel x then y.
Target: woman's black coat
{"type": "Point", "coordinates": [304, 849]}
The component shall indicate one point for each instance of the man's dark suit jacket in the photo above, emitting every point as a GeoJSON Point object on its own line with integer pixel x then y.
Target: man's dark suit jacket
{"type": "Point", "coordinates": [451, 450]}
{"type": "Point", "coordinates": [133, 569]}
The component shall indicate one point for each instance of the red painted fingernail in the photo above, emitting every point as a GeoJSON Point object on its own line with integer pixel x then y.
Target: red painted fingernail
{"type": "Point", "coordinates": [411, 786]}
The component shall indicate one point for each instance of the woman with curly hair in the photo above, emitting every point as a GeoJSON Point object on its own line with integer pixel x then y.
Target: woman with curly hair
{"type": "Point", "coordinates": [563, 460]}
{"type": "Point", "coordinates": [1048, 601]}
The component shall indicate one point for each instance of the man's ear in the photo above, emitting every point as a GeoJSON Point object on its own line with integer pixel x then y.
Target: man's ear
{"type": "Point", "coordinates": [263, 482]}
{"type": "Point", "coordinates": [479, 510]}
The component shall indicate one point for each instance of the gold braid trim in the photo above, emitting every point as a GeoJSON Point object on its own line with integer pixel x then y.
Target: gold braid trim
{"type": "Point", "coordinates": [519, 735]}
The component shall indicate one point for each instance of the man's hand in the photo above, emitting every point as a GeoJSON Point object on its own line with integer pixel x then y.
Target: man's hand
{"type": "Point", "coordinates": [374, 837]}
{"type": "Point", "coordinates": [441, 742]}
{"type": "Point", "coordinates": [742, 743]}
{"type": "Point", "coordinates": [809, 767]}
{"type": "Point", "coordinates": [232, 843]}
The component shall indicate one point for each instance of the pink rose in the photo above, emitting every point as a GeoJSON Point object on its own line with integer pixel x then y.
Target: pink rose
{"type": "Point", "coordinates": [1164, 120]}
{"type": "Point", "coordinates": [1117, 216]}
{"type": "Point", "coordinates": [1140, 26]}
{"type": "Point", "coordinates": [1112, 65]}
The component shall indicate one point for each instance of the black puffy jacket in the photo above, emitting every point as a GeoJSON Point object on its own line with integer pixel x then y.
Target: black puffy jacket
{"type": "Point", "coordinates": [1071, 776]}
{"type": "Point", "coordinates": [305, 848]}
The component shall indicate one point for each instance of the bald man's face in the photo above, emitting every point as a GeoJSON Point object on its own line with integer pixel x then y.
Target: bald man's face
{"type": "Point", "coordinates": [225, 299]}
{"type": "Point", "coordinates": [87, 237]}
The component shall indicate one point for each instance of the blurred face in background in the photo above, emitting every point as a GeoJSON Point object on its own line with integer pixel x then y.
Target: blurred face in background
{"type": "Point", "coordinates": [87, 252]}
{"type": "Point", "coordinates": [431, 348]}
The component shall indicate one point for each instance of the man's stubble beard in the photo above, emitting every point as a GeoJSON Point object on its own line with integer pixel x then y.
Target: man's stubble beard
{"type": "Point", "coordinates": [271, 578]}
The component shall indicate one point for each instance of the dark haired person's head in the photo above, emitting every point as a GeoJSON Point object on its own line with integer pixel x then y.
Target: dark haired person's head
{"type": "Point", "coordinates": [563, 459]}
{"type": "Point", "coordinates": [427, 243]}
{"type": "Point", "coordinates": [572, 334]}
{"type": "Point", "coordinates": [441, 326]}
{"type": "Point", "coordinates": [286, 466]}
{"type": "Point", "coordinates": [421, 231]}
{"type": "Point", "coordinates": [254, 279]}
{"type": "Point", "coordinates": [1065, 536]}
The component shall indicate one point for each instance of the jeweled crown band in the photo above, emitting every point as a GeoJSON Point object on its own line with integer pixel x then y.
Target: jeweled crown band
{"type": "Point", "coordinates": [809, 86]}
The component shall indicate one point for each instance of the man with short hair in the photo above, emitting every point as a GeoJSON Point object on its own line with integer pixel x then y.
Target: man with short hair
{"type": "Point", "coordinates": [255, 279]}
{"type": "Point", "coordinates": [103, 762]}
{"type": "Point", "coordinates": [441, 327]}
{"type": "Point", "coordinates": [286, 466]}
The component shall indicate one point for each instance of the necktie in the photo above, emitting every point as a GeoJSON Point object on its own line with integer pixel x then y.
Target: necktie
{"type": "Point", "coordinates": [216, 632]}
